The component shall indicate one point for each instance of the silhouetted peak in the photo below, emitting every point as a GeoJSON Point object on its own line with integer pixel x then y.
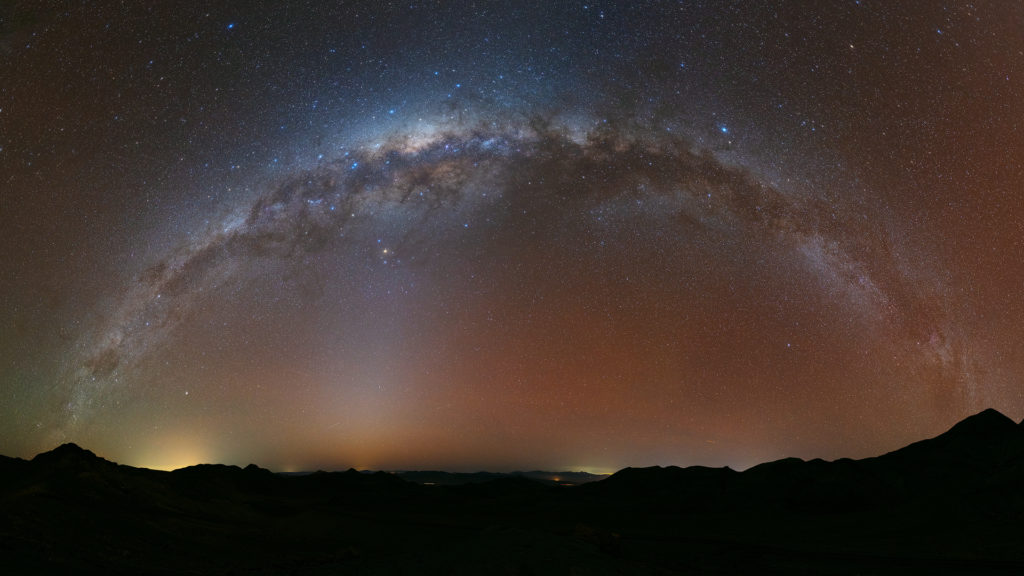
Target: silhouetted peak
{"type": "Point", "coordinates": [67, 453]}
{"type": "Point", "coordinates": [631, 473]}
{"type": "Point", "coordinates": [71, 448]}
{"type": "Point", "coordinates": [208, 469]}
{"type": "Point", "coordinates": [775, 466]}
{"type": "Point", "coordinates": [254, 469]}
{"type": "Point", "coordinates": [645, 471]}
{"type": "Point", "coordinates": [985, 423]}
{"type": "Point", "coordinates": [668, 475]}
{"type": "Point", "coordinates": [987, 438]}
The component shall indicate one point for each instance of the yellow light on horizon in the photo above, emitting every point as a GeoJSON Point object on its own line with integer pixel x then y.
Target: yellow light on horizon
{"type": "Point", "coordinates": [173, 453]}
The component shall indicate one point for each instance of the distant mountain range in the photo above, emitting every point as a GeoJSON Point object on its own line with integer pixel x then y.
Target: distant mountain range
{"type": "Point", "coordinates": [441, 478]}
{"type": "Point", "coordinates": [953, 504]}
{"type": "Point", "coordinates": [456, 478]}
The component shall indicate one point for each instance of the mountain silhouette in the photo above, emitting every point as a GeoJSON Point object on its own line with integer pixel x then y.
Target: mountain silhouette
{"type": "Point", "coordinates": [987, 439]}
{"type": "Point", "coordinates": [70, 457]}
{"type": "Point", "coordinates": [947, 505]}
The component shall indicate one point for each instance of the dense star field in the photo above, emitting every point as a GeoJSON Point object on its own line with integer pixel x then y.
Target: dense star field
{"type": "Point", "coordinates": [498, 235]}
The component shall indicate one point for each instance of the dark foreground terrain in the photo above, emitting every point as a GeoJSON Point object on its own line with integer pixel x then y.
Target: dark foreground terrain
{"type": "Point", "coordinates": [950, 505]}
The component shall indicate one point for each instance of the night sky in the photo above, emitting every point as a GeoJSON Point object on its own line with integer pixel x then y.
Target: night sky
{"type": "Point", "coordinates": [507, 235]}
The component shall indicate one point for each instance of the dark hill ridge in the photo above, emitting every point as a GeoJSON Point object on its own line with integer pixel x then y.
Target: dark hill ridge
{"type": "Point", "coordinates": [982, 450]}
{"type": "Point", "coordinates": [952, 504]}
{"type": "Point", "coordinates": [986, 438]}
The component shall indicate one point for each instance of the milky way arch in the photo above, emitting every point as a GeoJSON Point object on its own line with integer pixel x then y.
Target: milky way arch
{"type": "Point", "coordinates": [511, 179]}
